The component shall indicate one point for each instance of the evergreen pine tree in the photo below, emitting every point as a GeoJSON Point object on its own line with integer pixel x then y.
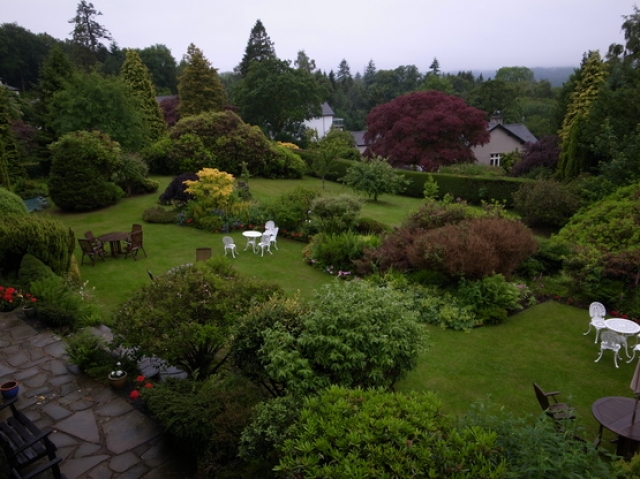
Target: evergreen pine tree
{"type": "Point", "coordinates": [573, 154]}
{"type": "Point", "coordinates": [259, 48]}
{"type": "Point", "coordinates": [200, 88]}
{"type": "Point", "coordinates": [55, 73]}
{"type": "Point", "coordinates": [8, 150]}
{"type": "Point", "coordinates": [136, 75]}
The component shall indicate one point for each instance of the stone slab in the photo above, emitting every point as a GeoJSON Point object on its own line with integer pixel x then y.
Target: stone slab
{"type": "Point", "coordinates": [82, 425]}
{"type": "Point", "coordinates": [129, 431]}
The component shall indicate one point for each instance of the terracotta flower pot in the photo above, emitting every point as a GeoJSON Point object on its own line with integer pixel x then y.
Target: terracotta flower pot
{"type": "Point", "coordinates": [118, 382]}
{"type": "Point", "coordinates": [9, 389]}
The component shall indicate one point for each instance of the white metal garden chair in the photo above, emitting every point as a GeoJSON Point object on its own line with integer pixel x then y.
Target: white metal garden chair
{"type": "Point", "coordinates": [274, 236]}
{"type": "Point", "coordinates": [597, 313]}
{"type": "Point", "coordinates": [229, 245]}
{"type": "Point", "coordinates": [612, 341]}
{"type": "Point", "coordinates": [265, 243]}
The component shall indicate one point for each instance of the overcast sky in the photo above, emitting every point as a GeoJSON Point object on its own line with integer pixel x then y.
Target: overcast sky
{"type": "Point", "coordinates": [461, 34]}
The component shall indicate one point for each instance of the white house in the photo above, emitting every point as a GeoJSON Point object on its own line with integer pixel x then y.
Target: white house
{"type": "Point", "coordinates": [323, 123]}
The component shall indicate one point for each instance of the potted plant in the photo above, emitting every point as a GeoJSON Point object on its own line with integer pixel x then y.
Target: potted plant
{"type": "Point", "coordinates": [29, 306]}
{"type": "Point", "coordinates": [118, 377]}
{"type": "Point", "coordinates": [10, 298]}
{"type": "Point", "coordinates": [9, 389]}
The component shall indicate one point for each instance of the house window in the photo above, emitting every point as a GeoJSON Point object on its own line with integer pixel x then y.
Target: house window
{"type": "Point", "coordinates": [494, 159]}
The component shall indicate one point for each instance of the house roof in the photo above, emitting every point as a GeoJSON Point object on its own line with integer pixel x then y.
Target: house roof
{"type": "Point", "coordinates": [517, 130]}
{"type": "Point", "coordinates": [358, 137]}
{"type": "Point", "coordinates": [326, 110]}
{"type": "Point", "coordinates": [164, 97]}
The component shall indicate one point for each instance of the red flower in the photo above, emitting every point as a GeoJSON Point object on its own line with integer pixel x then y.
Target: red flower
{"type": "Point", "coordinates": [148, 385]}
{"type": "Point", "coordinates": [134, 394]}
{"type": "Point", "coordinates": [140, 379]}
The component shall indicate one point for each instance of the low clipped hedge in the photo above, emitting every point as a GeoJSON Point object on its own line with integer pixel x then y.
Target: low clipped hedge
{"type": "Point", "coordinates": [472, 189]}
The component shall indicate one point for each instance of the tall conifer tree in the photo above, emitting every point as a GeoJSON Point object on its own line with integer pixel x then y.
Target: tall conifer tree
{"type": "Point", "coordinates": [200, 88]}
{"type": "Point", "coordinates": [136, 75]}
{"type": "Point", "coordinates": [259, 48]}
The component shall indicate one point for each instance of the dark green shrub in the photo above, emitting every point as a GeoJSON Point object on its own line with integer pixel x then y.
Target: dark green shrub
{"type": "Point", "coordinates": [11, 203]}
{"type": "Point", "coordinates": [32, 269]}
{"type": "Point", "coordinates": [535, 448]}
{"type": "Point", "coordinates": [47, 239]}
{"type": "Point", "coordinates": [489, 299]}
{"type": "Point", "coordinates": [284, 163]}
{"type": "Point", "coordinates": [335, 253]}
{"type": "Point", "coordinates": [81, 170]}
{"type": "Point", "coordinates": [56, 316]}
{"type": "Point", "coordinates": [291, 210]}
{"type": "Point", "coordinates": [335, 214]}
{"type": "Point", "coordinates": [369, 226]}
{"type": "Point", "coordinates": [472, 169]}
{"type": "Point", "coordinates": [547, 260]}
{"type": "Point", "coordinates": [206, 417]}
{"type": "Point", "coordinates": [175, 192]}
{"type": "Point", "coordinates": [132, 176]}
{"type": "Point", "coordinates": [546, 203]}
{"type": "Point", "coordinates": [158, 157]}
{"type": "Point", "coordinates": [157, 214]}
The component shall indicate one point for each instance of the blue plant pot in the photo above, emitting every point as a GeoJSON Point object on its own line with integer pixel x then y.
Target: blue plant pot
{"type": "Point", "coordinates": [9, 389]}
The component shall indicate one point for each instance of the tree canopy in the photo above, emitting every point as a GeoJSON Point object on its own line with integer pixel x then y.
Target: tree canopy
{"type": "Point", "coordinates": [429, 129]}
{"type": "Point", "coordinates": [278, 98]}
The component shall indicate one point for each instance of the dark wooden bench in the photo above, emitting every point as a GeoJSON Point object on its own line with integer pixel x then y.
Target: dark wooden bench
{"type": "Point", "coordinates": [24, 444]}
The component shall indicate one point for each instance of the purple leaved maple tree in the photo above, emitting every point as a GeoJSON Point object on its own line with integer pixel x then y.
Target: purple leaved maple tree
{"type": "Point", "coordinates": [426, 128]}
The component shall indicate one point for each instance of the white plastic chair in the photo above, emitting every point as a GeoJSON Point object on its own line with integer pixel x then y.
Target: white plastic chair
{"type": "Point", "coordinates": [597, 313]}
{"type": "Point", "coordinates": [265, 243]}
{"type": "Point", "coordinates": [612, 341]}
{"type": "Point", "coordinates": [229, 245]}
{"type": "Point", "coordinates": [274, 236]}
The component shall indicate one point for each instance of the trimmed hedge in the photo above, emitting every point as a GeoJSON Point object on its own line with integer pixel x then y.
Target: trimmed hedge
{"type": "Point", "coordinates": [472, 189]}
{"type": "Point", "coordinates": [47, 239]}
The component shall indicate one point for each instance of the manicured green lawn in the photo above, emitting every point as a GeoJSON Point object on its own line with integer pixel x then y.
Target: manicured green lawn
{"type": "Point", "coordinates": [544, 344]}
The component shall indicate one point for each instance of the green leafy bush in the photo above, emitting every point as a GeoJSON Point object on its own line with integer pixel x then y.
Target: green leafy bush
{"type": "Point", "coordinates": [157, 214]}
{"type": "Point", "coordinates": [370, 433]}
{"type": "Point", "coordinates": [61, 305]}
{"type": "Point", "coordinates": [546, 203]}
{"type": "Point", "coordinates": [369, 226]}
{"type": "Point", "coordinates": [196, 308]}
{"type": "Point", "coordinates": [355, 334]}
{"type": "Point", "coordinates": [337, 252]}
{"type": "Point", "coordinates": [32, 269]}
{"type": "Point", "coordinates": [290, 211]}
{"type": "Point", "coordinates": [47, 239]}
{"type": "Point", "coordinates": [132, 174]}
{"type": "Point", "coordinates": [91, 354]}
{"type": "Point", "coordinates": [489, 299]}
{"type": "Point", "coordinates": [472, 169]}
{"type": "Point", "coordinates": [535, 448]}
{"type": "Point", "coordinates": [81, 171]}
{"type": "Point", "coordinates": [207, 418]}
{"type": "Point", "coordinates": [11, 203]}
{"type": "Point", "coordinates": [335, 214]}
{"type": "Point", "coordinates": [284, 163]}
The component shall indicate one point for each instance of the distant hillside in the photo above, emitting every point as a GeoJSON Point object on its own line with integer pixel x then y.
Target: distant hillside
{"type": "Point", "coordinates": [556, 76]}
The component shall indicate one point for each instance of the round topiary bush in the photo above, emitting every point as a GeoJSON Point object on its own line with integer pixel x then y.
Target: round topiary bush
{"type": "Point", "coordinates": [11, 203]}
{"type": "Point", "coordinates": [82, 166]}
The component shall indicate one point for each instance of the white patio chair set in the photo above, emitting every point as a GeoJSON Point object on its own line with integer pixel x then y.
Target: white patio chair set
{"type": "Point", "coordinates": [613, 333]}
{"type": "Point", "coordinates": [262, 242]}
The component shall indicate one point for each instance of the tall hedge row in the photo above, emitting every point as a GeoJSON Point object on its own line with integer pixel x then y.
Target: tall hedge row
{"type": "Point", "coordinates": [47, 239]}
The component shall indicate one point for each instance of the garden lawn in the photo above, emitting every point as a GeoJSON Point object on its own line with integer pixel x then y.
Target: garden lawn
{"type": "Point", "coordinates": [544, 344]}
